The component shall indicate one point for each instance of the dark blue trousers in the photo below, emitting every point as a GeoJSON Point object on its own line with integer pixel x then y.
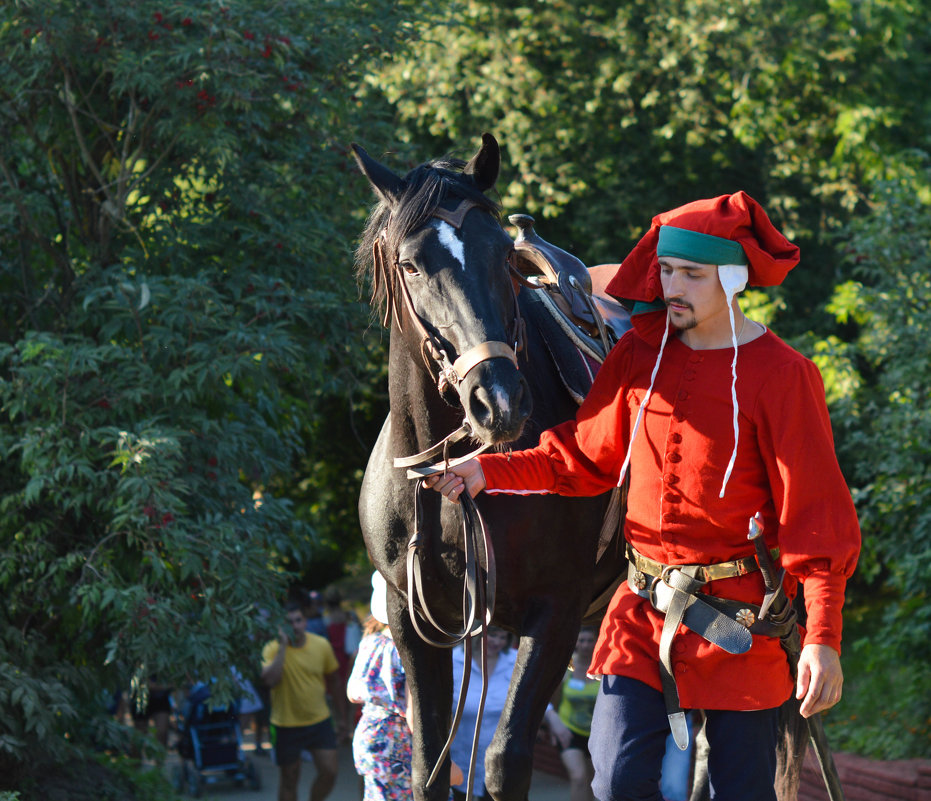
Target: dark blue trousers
{"type": "Point", "coordinates": [628, 741]}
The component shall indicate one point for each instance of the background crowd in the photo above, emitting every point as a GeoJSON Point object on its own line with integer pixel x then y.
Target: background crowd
{"type": "Point", "coordinates": [367, 700]}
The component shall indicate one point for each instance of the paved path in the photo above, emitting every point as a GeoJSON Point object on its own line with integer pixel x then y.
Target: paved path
{"type": "Point", "coordinates": [544, 787]}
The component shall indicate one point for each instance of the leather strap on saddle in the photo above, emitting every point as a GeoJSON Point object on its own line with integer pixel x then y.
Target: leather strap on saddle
{"type": "Point", "coordinates": [565, 277]}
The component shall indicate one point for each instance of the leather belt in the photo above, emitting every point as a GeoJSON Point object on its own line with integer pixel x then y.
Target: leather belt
{"type": "Point", "coordinates": [719, 570]}
{"type": "Point", "coordinates": [675, 590]}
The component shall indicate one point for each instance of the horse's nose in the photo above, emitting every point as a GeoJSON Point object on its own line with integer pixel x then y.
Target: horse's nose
{"type": "Point", "coordinates": [498, 409]}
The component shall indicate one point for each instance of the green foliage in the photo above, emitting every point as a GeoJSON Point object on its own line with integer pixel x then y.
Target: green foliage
{"type": "Point", "coordinates": [177, 220]}
{"type": "Point", "coordinates": [100, 777]}
{"type": "Point", "coordinates": [888, 421]}
{"type": "Point", "coordinates": [612, 112]}
{"type": "Point", "coordinates": [899, 726]}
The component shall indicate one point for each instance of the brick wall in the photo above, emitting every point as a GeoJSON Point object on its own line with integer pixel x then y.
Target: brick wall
{"type": "Point", "coordinates": [869, 780]}
{"type": "Point", "coordinates": [861, 779]}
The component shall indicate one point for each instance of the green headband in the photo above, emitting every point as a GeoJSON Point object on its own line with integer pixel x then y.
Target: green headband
{"type": "Point", "coordinates": [701, 248]}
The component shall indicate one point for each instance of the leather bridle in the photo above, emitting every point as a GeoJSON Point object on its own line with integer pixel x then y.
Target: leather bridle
{"type": "Point", "coordinates": [478, 597]}
{"type": "Point", "coordinates": [450, 373]}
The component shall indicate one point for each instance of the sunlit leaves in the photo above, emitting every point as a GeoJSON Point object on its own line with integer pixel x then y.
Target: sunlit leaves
{"type": "Point", "coordinates": [888, 251]}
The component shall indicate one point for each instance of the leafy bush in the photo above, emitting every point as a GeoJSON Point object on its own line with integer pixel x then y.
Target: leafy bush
{"type": "Point", "coordinates": [176, 234]}
{"type": "Point", "coordinates": [887, 424]}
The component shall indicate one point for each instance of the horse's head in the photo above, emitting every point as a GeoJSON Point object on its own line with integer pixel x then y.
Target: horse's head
{"type": "Point", "coordinates": [440, 264]}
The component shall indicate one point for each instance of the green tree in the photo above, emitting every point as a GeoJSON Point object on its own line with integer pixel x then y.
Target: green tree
{"type": "Point", "coordinates": [609, 113]}
{"type": "Point", "coordinates": [177, 220]}
{"type": "Point", "coordinates": [888, 419]}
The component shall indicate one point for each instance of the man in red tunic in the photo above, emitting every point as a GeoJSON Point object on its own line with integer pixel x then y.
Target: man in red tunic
{"type": "Point", "coordinates": [717, 421]}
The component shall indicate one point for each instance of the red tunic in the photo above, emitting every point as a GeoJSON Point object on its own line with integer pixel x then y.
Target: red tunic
{"type": "Point", "coordinates": [786, 469]}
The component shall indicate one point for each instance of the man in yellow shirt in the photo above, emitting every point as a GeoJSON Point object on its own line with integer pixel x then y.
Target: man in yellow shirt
{"type": "Point", "coordinates": [301, 669]}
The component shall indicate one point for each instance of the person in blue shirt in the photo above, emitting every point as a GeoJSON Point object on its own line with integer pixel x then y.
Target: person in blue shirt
{"type": "Point", "coordinates": [501, 659]}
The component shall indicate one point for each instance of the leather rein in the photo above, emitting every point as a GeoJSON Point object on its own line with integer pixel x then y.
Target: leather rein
{"type": "Point", "coordinates": [478, 597]}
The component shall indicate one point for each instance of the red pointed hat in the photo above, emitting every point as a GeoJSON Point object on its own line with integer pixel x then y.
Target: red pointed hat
{"type": "Point", "coordinates": [737, 217]}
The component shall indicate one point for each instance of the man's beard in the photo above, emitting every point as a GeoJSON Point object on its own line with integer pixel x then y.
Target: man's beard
{"type": "Point", "coordinates": [691, 322]}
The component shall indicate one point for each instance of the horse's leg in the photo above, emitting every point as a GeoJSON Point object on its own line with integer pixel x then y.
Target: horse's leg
{"type": "Point", "coordinates": [542, 659]}
{"type": "Point", "coordinates": [429, 677]}
{"type": "Point", "coordinates": [701, 787]}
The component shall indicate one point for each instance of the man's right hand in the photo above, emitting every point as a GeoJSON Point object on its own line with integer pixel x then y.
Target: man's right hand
{"type": "Point", "coordinates": [456, 480]}
{"type": "Point", "coordinates": [283, 639]}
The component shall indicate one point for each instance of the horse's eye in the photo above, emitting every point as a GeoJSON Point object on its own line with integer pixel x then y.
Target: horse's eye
{"type": "Point", "coordinates": [409, 268]}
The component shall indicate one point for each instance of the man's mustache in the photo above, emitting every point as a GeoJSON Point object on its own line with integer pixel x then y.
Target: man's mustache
{"type": "Point", "coordinates": [678, 302]}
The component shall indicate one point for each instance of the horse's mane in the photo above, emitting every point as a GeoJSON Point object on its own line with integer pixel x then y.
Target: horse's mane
{"type": "Point", "coordinates": [426, 187]}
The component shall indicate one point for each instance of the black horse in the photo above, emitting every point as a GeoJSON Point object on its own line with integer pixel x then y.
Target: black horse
{"type": "Point", "coordinates": [440, 262]}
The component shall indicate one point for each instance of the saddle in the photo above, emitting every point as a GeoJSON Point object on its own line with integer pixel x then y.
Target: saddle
{"type": "Point", "coordinates": [577, 291]}
{"type": "Point", "coordinates": [578, 309]}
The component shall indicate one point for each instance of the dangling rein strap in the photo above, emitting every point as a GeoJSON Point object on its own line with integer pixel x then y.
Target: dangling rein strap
{"type": "Point", "coordinates": [478, 598]}
{"type": "Point", "coordinates": [478, 603]}
{"type": "Point", "coordinates": [440, 449]}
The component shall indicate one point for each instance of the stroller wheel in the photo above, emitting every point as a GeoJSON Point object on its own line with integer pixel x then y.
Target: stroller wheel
{"type": "Point", "coordinates": [195, 783]}
{"type": "Point", "coordinates": [178, 777]}
{"type": "Point", "coordinates": [253, 777]}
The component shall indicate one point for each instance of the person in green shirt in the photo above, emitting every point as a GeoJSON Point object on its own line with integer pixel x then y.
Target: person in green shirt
{"type": "Point", "coordinates": [570, 717]}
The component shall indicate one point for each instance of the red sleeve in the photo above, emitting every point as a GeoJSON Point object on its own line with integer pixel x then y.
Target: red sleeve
{"type": "Point", "coordinates": [581, 456]}
{"type": "Point", "coordinates": [819, 536]}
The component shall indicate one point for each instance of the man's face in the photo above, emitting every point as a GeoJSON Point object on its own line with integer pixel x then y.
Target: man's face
{"type": "Point", "coordinates": [585, 642]}
{"type": "Point", "coordinates": [298, 624]}
{"type": "Point", "coordinates": [692, 291]}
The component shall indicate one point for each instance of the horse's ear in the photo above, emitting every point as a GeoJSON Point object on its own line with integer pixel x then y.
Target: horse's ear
{"type": "Point", "coordinates": [484, 165]}
{"type": "Point", "coordinates": [388, 185]}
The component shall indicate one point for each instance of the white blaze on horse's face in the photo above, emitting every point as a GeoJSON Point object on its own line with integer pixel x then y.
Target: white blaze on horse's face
{"type": "Point", "coordinates": [501, 397]}
{"type": "Point", "coordinates": [450, 241]}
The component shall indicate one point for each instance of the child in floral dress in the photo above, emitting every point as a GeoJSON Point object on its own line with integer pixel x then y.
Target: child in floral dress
{"type": "Point", "coordinates": [381, 746]}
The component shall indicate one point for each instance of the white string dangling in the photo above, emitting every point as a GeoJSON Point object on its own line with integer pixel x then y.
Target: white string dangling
{"type": "Point", "coordinates": [643, 403]}
{"type": "Point", "coordinates": [733, 278]}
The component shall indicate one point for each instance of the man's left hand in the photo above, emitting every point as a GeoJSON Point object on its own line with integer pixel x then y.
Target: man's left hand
{"type": "Point", "coordinates": [820, 679]}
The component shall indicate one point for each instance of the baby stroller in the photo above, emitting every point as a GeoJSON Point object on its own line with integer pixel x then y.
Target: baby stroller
{"type": "Point", "coordinates": [210, 746]}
